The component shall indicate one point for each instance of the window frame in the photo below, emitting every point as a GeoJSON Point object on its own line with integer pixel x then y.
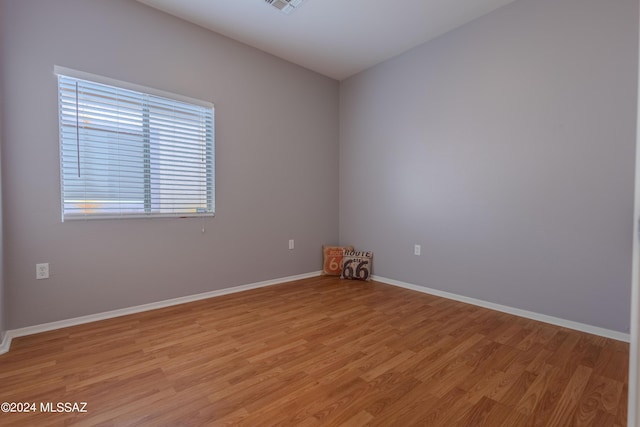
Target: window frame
{"type": "Point", "coordinates": [209, 156]}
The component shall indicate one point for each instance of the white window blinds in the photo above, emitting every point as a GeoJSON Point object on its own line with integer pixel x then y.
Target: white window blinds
{"type": "Point", "coordinates": [128, 153]}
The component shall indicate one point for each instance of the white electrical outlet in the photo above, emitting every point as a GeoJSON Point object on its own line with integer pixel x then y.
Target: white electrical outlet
{"type": "Point", "coordinates": [290, 244]}
{"type": "Point", "coordinates": [42, 271]}
{"type": "Point", "coordinates": [416, 249]}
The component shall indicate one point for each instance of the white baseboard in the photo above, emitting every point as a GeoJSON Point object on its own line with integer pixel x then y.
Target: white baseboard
{"type": "Point", "coordinates": [30, 330]}
{"type": "Point", "coordinates": [5, 343]}
{"type": "Point", "coordinates": [607, 333]}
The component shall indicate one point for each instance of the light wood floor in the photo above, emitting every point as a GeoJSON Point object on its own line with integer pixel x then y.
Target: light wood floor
{"type": "Point", "coordinates": [319, 352]}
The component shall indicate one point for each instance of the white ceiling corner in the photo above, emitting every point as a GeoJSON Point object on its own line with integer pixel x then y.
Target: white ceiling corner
{"type": "Point", "coordinates": [336, 38]}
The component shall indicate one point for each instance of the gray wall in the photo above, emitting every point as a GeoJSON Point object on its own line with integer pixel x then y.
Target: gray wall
{"type": "Point", "coordinates": [506, 149]}
{"type": "Point", "coordinates": [276, 162]}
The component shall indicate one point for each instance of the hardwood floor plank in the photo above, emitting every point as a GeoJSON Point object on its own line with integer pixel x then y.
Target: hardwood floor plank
{"type": "Point", "coordinates": [479, 413]}
{"type": "Point", "coordinates": [621, 413]}
{"type": "Point", "coordinates": [408, 410]}
{"type": "Point", "coordinates": [362, 418]}
{"type": "Point", "coordinates": [380, 369]}
{"type": "Point", "coordinates": [534, 393]}
{"type": "Point", "coordinates": [447, 410]}
{"type": "Point", "coordinates": [567, 405]}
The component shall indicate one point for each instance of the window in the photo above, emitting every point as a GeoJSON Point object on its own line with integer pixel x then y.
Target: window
{"type": "Point", "coordinates": [127, 152]}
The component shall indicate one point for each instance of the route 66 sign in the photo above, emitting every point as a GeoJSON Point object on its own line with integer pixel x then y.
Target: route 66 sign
{"type": "Point", "coordinates": [356, 265]}
{"type": "Point", "coordinates": [332, 265]}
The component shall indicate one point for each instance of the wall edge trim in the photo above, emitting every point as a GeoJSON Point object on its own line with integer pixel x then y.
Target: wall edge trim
{"type": "Point", "coordinates": [46, 327]}
{"type": "Point", "coordinates": [5, 345]}
{"type": "Point", "coordinates": [582, 327]}
{"type": "Point", "coordinates": [6, 342]}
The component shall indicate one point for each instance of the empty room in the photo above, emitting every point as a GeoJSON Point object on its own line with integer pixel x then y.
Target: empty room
{"type": "Point", "coordinates": [319, 212]}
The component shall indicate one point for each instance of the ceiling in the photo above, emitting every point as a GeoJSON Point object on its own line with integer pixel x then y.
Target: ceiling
{"type": "Point", "coordinates": [337, 38]}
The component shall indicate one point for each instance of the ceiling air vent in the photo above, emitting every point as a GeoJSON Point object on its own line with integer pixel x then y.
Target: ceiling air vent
{"type": "Point", "coordinates": [286, 6]}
